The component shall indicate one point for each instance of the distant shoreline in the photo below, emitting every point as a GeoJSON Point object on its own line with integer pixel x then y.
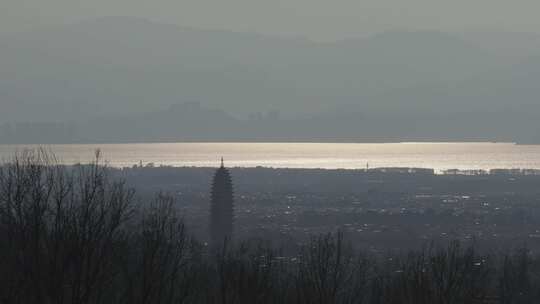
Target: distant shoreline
{"type": "Point", "coordinates": [377, 170]}
{"type": "Point", "coordinates": [265, 142]}
{"type": "Point", "coordinates": [462, 157]}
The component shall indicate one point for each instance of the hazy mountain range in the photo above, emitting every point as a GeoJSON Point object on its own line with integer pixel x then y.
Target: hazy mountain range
{"type": "Point", "coordinates": [119, 79]}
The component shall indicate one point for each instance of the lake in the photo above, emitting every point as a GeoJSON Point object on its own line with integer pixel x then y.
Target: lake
{"type": "Point", "coordinates": [439, 156]}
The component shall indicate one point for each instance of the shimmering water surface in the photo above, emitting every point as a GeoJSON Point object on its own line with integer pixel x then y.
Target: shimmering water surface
{"type": "Point", "coordinates": [439, 156]}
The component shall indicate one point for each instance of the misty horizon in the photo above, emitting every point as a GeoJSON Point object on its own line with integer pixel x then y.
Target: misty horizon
{"type": "Point", "coordinates": [127, 73]}
{"type": "Point", "coordinates": [317, 20]}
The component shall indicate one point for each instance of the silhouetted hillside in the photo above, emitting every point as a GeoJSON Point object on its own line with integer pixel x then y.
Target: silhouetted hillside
{"type": "Point", "coordinates": [79, 235]}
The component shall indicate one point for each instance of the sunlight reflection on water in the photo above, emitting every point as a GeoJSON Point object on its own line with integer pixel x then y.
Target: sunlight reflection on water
{"type": "Point", "coordinates": [439, 156]}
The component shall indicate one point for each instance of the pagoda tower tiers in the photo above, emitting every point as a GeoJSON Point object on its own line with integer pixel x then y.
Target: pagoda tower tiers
{"type": "Point", "coordinates": [221, 207]}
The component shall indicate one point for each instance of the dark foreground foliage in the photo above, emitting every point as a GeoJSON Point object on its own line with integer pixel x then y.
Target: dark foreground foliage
{"type": "Point", "coordinates": [71, 235]}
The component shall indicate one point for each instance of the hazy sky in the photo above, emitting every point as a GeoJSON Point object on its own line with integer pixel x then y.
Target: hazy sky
{"type": "Point", "coordinates": [317, 19]}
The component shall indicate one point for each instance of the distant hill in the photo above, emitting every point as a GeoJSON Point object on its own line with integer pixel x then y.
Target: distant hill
{"type": "Point", "coordinates": [507, 44]}
{"type": "Point", "coordinates": [124, 68]}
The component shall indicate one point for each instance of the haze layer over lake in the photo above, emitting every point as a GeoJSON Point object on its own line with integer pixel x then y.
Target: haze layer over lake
{"type": "Point", "coordinates": [439, 156]}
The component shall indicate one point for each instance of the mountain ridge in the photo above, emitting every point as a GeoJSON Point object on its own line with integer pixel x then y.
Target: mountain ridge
{"type": "Point", "coordinates": [124, 66]}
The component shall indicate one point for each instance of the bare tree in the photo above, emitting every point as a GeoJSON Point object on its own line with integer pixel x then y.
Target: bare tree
{"type": "Point", "coordinates": [329, 273]}
{"type": "Point", "coordinates": [519, 278]}
{"type": "Point", "coordinates": [60, 228]}
{"type": "Point", "coordinates": [448, 275]}
{"type": "Point", "coordinates": [160, 256]}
